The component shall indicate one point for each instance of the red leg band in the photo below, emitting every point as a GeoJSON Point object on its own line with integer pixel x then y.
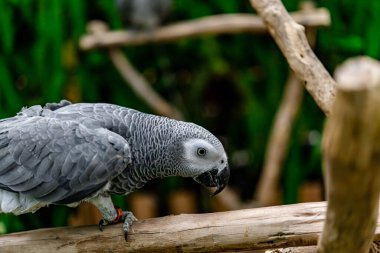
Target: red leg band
{"type": "Point", "coordinates": [119, 214]}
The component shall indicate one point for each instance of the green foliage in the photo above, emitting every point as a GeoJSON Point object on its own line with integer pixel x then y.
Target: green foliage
{"type": "Point", "coordinates": [229, 84]}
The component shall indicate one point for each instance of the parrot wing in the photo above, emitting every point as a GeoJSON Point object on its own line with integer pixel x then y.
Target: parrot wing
{"type": "Point", "coordinates": [58, 161]}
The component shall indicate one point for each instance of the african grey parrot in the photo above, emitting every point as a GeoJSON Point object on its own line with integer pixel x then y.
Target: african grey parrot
{"type": "Point", "coordinates": [66, 153]}
{"type": "Point", "coordinates": [143, 14]}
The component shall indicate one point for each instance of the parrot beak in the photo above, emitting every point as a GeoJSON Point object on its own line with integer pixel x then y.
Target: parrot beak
{"type": "Point", "coordinates": [214, 178]}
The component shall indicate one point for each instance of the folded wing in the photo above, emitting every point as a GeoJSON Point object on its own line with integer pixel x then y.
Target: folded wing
{"type": "Point", "coordinates": [58, 161]}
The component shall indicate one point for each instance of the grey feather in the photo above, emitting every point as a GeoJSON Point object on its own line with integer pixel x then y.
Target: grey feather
{"type": "Point", "coordinates": [55, 157]}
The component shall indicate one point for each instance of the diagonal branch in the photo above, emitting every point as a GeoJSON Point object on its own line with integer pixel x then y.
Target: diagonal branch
{"type": "Point", "coordinates": [135, 80]}
{"type": "Point", "coordinates": [141, 87]}
{"type": "Point", "coordinates": [291, 39]}
{"type": "Point", "coordinates": [267, 192]}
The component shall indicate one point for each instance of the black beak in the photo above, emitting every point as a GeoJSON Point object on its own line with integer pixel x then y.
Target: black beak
{"type": "Point", "coordinates": [215, 178]}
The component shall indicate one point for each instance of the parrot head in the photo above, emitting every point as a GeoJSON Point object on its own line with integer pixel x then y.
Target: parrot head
{"type": "Point", "coordinates": [207, 162]}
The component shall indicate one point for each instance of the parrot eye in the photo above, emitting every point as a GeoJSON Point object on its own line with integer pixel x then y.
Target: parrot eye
{"type": "Point", "coordinates": [201, 152]}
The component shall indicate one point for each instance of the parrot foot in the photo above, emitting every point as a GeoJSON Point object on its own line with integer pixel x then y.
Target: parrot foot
{"type": "Point", "coordinates": [125, 216]}
{"type": "Point", "coordinates": [128, 218]}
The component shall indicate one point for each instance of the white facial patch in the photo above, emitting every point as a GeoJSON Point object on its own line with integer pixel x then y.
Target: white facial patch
{"type": "Point", "coordinates": [201, 161]}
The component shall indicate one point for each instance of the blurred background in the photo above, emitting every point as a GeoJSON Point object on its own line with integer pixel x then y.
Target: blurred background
{"type": "Point", "coordinates": [230, 84]}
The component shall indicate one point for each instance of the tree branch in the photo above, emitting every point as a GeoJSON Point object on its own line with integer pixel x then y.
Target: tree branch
{"type": "Point", "coordinates": [267, 192]}
{"type": "Point", "coordinates": [351, 153]}
{"type": "Point", "coordinates": [212, 25]}
{"type": "Point", "coordinates": [262, 228]}
{"type": "Point", "coordinates": [249, 229]}
{"type": "Point", "coordinates": [291, 39]}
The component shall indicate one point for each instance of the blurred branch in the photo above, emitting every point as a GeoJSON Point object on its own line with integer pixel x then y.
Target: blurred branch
{"type": "Point", "coordinates": [267, 192]}
{"type": "Point", "coordinates": [212, 25]}
{"type": "Point", "coordinates": [141, 86]}
{"type": "Point", "coordinates": [351, 153]}
{"type": "Point", "coordinates": [291, 39]}
{"type": "Point", "coordinates": [132, 77]}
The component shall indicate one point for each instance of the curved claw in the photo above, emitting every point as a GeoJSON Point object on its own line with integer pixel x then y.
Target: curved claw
{"type": "Point", "coordinates": [129, 218]}
{"type": "Point", "coordinates": [102, 223]}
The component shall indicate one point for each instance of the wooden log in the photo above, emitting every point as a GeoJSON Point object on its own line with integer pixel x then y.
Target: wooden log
{"type": "Point", "coordinates": [261, 228]}
{"type": "Point", "coordinates": [211, 25]}
{"type": "Point", "coordinates": [351, 154]}
{"type": "Point", "coordinates": [296, 225]}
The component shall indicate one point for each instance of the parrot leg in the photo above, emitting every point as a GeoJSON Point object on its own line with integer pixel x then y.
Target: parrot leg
{"type": "Point", "coordinates": [104, 222]}
{"type": "Point", "coordinates": [128, 218]}
{"type": "Point", "coordinates": [125, 216]}
{"type": "Point", "coordinates": [112, 214]}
